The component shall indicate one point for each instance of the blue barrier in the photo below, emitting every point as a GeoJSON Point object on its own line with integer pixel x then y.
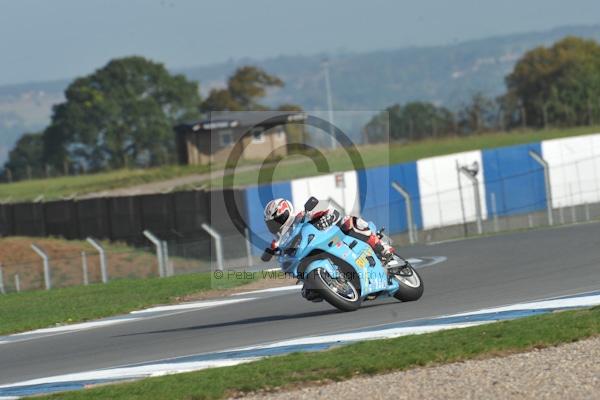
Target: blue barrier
{"type": "Point", "coordinates": [257, 198]}
{"type": "Point", "coordinates": [509, 174]}
{"type": "Point", "coordinates": [383, 205]}
{"type": "Point", "coordinates": [515, 179]}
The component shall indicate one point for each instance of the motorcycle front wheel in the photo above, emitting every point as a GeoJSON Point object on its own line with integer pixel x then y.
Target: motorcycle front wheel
{"type": "Point", "coordinates": [339, 292]}
{"type": "Point", "coordinates": [409, 280]}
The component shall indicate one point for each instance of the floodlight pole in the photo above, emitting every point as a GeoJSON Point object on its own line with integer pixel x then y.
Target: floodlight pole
{"type": "Point", "coordinates": [409, 211]}
{"type": "Point", "coordinates": [218, 245]}
{"type": "Point", "coordinates": [46, 260]}
{"type": "Point", "coordinates": [103, 266]}
{"type": "Point", "coordinates": [329, 103]}
{"type": "Point", "coordinates": [540, 160]}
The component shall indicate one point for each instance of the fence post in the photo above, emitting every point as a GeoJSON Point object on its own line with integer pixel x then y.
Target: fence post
{"type": "Point", "coordinates": [218, 246]}
{"type": "Point", "coordinates": [159, 251]}
{"type": "Point", "coordinates": [165, 252]}
{"type": "Point", "coordinates": [462, 203]}
{"type": "Point", "coordinates": [2, 290]}
{"type": "Point", "coordinates": [587, 212]}
{"type": "Point", "coordinates": [546, 168]}
{"type": "Point", "coordinates": [84, 267]}
{"type": "Point", "coordinates": [573, 212]}
{"type": "Point", "coordinates": [248, 248]}
{"type": "Point", "coordinates": [562, 215]}
{"type": "Point", "coordinates": [495, 212]}
{"type": "Point", "coordinates": [409, 211]}
{"type": "Point", "coordinates": [471, 174]}
{"type": "Point", "coordinates": [17, 283]}
{"type": "Point", "coordinates": [46, 260]}
{"type": "Point", "coordinates": [103, 266]}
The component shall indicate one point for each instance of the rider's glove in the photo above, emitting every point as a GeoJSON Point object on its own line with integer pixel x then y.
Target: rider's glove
{"type": "Point", "coordinates": [325, 221]}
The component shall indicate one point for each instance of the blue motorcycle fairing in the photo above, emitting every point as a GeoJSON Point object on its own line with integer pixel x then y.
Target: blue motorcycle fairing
{"type": "Point", "coordinates": [322, 263]}
{"type": "Point", "coordinates": [304, 240]}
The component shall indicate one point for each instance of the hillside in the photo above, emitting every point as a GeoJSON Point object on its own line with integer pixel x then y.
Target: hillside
{"type": "Point", "coordinates": [370, 81]}
{"type": "Point", "coordinates": [446, 75]}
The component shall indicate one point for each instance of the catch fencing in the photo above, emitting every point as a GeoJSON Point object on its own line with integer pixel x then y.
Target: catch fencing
{"type": "Point", "coordinates": [81, 264]}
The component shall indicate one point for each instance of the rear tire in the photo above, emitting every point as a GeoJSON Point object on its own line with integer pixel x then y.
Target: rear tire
{"type": "Point", "coordinates": [318, 279]}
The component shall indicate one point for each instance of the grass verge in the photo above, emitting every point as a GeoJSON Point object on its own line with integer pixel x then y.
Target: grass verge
{"type": "Point", "coordinates": [39, 309]}
{"type": "Point", "coordinates": [362, 358]}
{"type": "Point", "coordinates": [56, 188]}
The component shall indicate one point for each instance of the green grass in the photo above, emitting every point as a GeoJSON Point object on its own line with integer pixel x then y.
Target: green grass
{"type": "Point", "coordinates": [56, 188]}
{"type": "Point", "coordinates": [39, 309]}
{"type": "Point", "coordinates": [378, 155]}
{"type": "Point", "coordinates": [359, 359]}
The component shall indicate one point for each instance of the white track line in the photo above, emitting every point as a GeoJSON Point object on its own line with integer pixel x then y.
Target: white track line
{"type": "Point", "coordinates": [171, 366]}
{"type": "Point", "coordinates": [187, 306]}
{"type": "Point", "coordinates": [163, 311]}
{"type": "Point", "coordinates": [270, 290]}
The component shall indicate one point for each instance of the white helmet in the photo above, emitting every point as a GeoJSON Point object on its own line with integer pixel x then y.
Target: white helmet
{"type": "Point", "coordinates": [279, 213]}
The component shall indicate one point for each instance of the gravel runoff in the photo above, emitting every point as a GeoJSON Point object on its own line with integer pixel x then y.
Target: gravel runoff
{"type": "Point", "coordinates": [570, 371]}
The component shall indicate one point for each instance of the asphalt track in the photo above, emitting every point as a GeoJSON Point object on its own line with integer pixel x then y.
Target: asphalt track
{"type": "Point", "coordinates": [478, 273]}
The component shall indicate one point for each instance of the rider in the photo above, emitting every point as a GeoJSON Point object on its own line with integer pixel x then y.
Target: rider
{"type": "Point", "coordinates": [279, 217]}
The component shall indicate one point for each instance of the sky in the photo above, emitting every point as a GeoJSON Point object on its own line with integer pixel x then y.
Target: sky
{"type": "Point", "coordinates": [56, 39]}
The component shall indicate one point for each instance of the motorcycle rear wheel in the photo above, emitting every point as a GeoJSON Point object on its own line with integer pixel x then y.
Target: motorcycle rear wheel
{"type": "Point", "coordinates": [339, 292]}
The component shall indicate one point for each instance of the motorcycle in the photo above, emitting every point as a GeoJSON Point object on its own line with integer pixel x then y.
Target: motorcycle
{"type": "Point", "coordinates": [339, 268]}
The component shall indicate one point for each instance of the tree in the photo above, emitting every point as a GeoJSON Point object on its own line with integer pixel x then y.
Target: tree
{"type": "Point", "coordinates": [25, 158]}
{"type": "Point", "coordinates": [121, 115]}
{"type": "Point", "coordinates": [558, 85]}
{"type": "Point", "coordinates": [220, 100]}
{"type": "Point", "coordinates": [413, 121]}
{"type": "Point", "coordinates": [245, 88]}
{"type": "Point", "coordinates": [479, 115]}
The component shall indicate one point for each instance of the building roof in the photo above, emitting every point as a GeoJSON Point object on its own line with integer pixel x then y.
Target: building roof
{"type": "Point", "coordinates": [241, 119]}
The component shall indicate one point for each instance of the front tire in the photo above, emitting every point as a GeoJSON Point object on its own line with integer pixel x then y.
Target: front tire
{"type": "Point", "coordinates": [410, 282]}
{"type": "Point", "coordinates": [339, 292]}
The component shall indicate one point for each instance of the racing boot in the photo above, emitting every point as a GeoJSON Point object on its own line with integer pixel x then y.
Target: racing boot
{"type": "Point", "coordinates": [384, 251]}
